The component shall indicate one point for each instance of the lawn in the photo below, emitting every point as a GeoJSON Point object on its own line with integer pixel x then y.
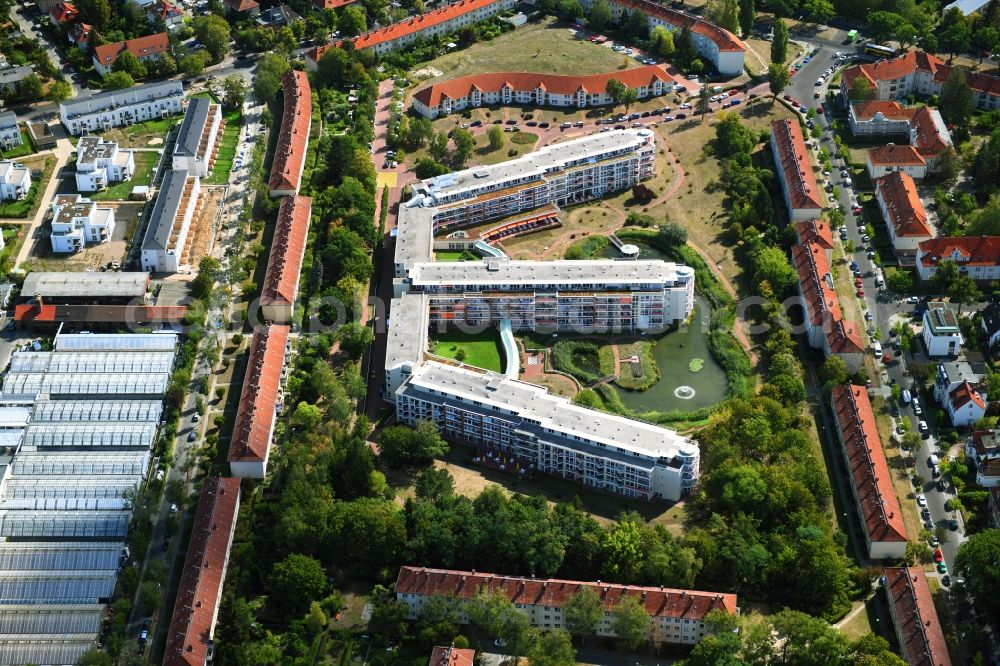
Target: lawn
{"type": "Point", "coordinates": [19, 151]}
{"type": "Point", "coordinates": [145, 162]}
{"type": "Point", "coordinates": [227, 150]}
{"type": "Point", "coordinates": [549, 46]}
{"type": "Point", "coordinates": [448, 255]}
{"type": "Point", "coordinates": [26, 207]}
{"type": "Point", "coordinates": [482, 350]}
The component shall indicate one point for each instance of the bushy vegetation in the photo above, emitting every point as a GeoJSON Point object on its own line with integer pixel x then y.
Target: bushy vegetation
{"type": "Point", "coordinates": [580, 358]}
{"type": "Point", "coordinates": [587, 248]}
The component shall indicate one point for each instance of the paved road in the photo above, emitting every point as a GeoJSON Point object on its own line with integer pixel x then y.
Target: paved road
{"type": "Point", "coordinates": [25, 25]}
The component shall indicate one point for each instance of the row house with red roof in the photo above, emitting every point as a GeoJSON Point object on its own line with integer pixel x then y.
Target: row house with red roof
{"type": "Point", "coordinates": [293, 138]}
{"type": "Point", "coordinates": [677, 616]}
{"type": "Point", "coordinates": [976, 256]}
{"type": "Point", "coordinates": [826, 327]}
{"type": "Point", "coordinates": [284, 263]}
{"type": "Point", "coordinates": [983, 449]}
{"type": "Point", "coordinates": [191, 635]}
{"type": "Point", "coordinates": [803, 198]}
{"type": "Point", "coordinates": [917, 73]}
{"type": "Point", "coordinates": [162, 10]}
{"type": "Point", "coordinates": [452, 656]}
{"type": "Point", "coordinates": [903, 212]}
{"type": "Point", "coordinates": [712, 42]}
{"type": "Point", "coordinates": [870, 477]}
{"type": "Point", "coordinates": [922, 128]}
{"type": "Point", "coordinates": [815, 232]}
{"type": "Point", "coordinates": [896, 158]}
{"type": "Point", "coordinates": [914, 617]}
{"type": "Point", "coordinates": [507, 88]}
{"type": "Point", "coordinates": [145, 49]}
{"type": "Point", "coordinates": [260, 402]}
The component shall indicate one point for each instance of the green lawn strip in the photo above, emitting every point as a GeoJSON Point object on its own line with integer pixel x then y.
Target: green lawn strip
{"type": "Point", "coordinates": [161, 126]}
{"type": "Point", "coordinates": [482, 350]}
{"type": "Point", "coordinates": [145, 162]}
{"type": "Point", "coordinates": [524, 138]}
{"type": "Point", "coordinates": [19, 151]}
{"type": "Point", "coordinates": [448, 255]}
{"type": "Point", "coordinates": [227, 152]}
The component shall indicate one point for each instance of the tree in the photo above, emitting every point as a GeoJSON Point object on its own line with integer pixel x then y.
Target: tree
{"type": "Point", "coordinates": [495, 615]}
{"type": "Point", "coordinates": [820, 11]}
{"type": "Point", "coordinates": [964, 292]}
{"type": "Point", "coordinates": [295, 582]}
{"type": "Point", "coordinates": [95, 656]}
{"type": "Point", "coordinates": [900, 281]}
{"type": "Point", "coordinates": [401, 445]}
{"type": "Point", "coordinates": [672, 235]}
{"type": "Point", "coordinates": [833, 372]}
{"type": "Point", "coordinates": [779, 46]}
{"type": "Point", "coordinates": [118, 81]}
{"type": "Point", "coordinates": [59, 91]}
{"type": "Point", "coordinates": [495, 135]}
{"type": "Point", "coordinates": [353, 21]}
{"type": "Point", "coordinates": [128, 63]}
{"type": "Point", "coordinates": [722, 643]}
{"type": "Point", "coordinates": [630, 622]}
{"type": "Point", "coordinates": [725, 13]}
{"type": "Point", "coordinates": [270, 70]}
{"type": "Point", "coordinates": [354, 337]}
{"type": "Point", "coordinates": [704, 102]}
{"type": "Point", "coordinates": [551, 648]}
{"type": "Point", "coordinates": [949, 165]}
{"type": "Point", "coordinates": [427, 167]}
{"type": "Point", "coordinates": [599, 15]}
{"type": "Point", "coordinates": [620, 93]}
{"type": "Point", "coordinates": [945, 275]}
{"type": "Point", "coordinates": [438, 146]}
{"type": "Point", "coordinates": [986, 40]}
{"type": "Point", "coordinates": [213, 32]}
{"type": "Point", "coordinates": [234, 92]}
{"type": "Point", "coordinates": [885, 25]}
{"type": "Point", "coordinates": [771, 265]}
{"type": "Point", "coordinates": [306, 417]}
{"type": "Point", "coordinates": [464, 145]}
{"type": "Point", "coordinates": [316, 620]}
{"type": "Point", "coordinates": [954, 32]}
{"type": "Point", "coordinates": [956, 102]}
{"type": "Point", "coordinates": [583, 613]}
{"type": "Point", "coordinates": [636, 24]}
{"type": "Point", "coordinates": [860, 88]}
{"type": "Point", "coordinates": [193, 65]}
{"type": "Point", "coordinates": [460, 355]}
{"type": "Point", "coordinates": [149, 596]}
{"type": "Point", "coordinates": [777, 78]}
{"type": "Point", "coordinates": [438, 619]}
{"type": "Point", "coordinates": [748, 14]}
{"type": "Point", "coordinates": [686, 52]}
{"type": "Point", "coordinates": [95, 12]}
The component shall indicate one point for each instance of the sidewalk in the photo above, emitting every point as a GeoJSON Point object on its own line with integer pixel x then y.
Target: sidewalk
{"type": "Point", "coordinates": [63, 151]}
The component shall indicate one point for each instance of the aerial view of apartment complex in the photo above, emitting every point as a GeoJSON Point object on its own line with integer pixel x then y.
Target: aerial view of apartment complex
{"type": "Point", "coordinates": [500, 332]}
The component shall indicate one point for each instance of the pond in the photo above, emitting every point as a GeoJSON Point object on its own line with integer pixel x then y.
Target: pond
{"type": "Point", "coordinates": [679, 387]}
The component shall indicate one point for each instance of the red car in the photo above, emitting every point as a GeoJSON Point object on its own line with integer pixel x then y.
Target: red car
{"type": "Point", "coordinates": [787, 97]}
{"type": "Point", "coordinates": [821, 110]}
{"type": "Point", "coordinates": [938, 555]}
{"type": "Point", "coordinates": [861, 292]}
{"type": "Point", "coordinates": [856, 210]}
{"type": "Point", "coordinates": [734, 91]}
{"type": "Point", "coordinates": [887, 358]}
{"type": "Point", "coordinates": [857, 282]}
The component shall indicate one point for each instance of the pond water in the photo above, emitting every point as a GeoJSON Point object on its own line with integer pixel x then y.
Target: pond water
{"type": "Point", "coordinates": [679, 388]}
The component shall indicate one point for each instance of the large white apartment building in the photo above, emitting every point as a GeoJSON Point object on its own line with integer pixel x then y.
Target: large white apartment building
{"type": "Point", "coordinates": [604, 451]}
{"type": "Point", "coordinates": [77, 221]}
{"type": "Point", "coordinates": [603, 296]}
{"type": "Point", "coordinates": [677, 616]}
{"type": "Point", "coordinates": [198, 138]}
{"type": "Point", "coordinates": [115, 108]}
{"type": "Point", "coordinates": [15, 180]}
{"type": "Point", "coordinates": [166, 245]}
{"type": "Point", "coordinates": [10, 132]}
{"type": "Point", "coordinates": [100, 163]}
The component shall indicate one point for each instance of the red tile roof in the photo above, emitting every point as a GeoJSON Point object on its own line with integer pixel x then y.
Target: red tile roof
{"type": "Point", "coordinates": [927, 138]}
{"type": "Point", "coordinates": [64, 12]}
{"type": "Point", "coordinates": [284, 264]}
{"type": "Point", "coordinates": [963, 394]}
{"type": "Point", "coordinates": [917, 626]}
{"type": "Point", "coordinates": [140, 47]}
{"type": "Point", "coordinates": [452, 656]}
{"type": "Point", "coordinates": [552, 83]}
{"type": "Point", "coordinates": [793, 159]}
{"type": "Point", "coordinates": [895, 154]}
{"type": "Point", "coordinates": [331, 4]}
{"type": "Point", "coordinates": [814, 231]}
{"type": "Point", "coordinates": [963, 250]}
{"type": "Point", "coordinates": [255, 415]}
{"type": "Point", "coordinates": [196, 608]}
{"type": "Point", "coordinates": [163, 9]}
{"type": "Point", "coordinates": [894, 68]}
{"type": "Point", "coordinates": [868, 468]}
{"type": "Point", "coordinates": [978, 82]}
{"type": "Point", "coordinates": [723, 39]}
{"type": "Point", "coordinates": [242, 5]}
{"type": "Point", "coordinates": [905, 211]}
{"type": "Point", "coordinates": [867, 110]}
{"type": "Point", "coordinates": [658, 601]}
{"type": "Point", "coordinates": [81, 33]}
{"type": "Point", "coordinates": [290, 153]}
{"type": "Point", "coordinates": [134, 314]}
{"type": "Point", "coordinates": [821, 304]}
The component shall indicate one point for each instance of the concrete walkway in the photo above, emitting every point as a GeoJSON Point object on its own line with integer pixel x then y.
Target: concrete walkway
{"type": "Point", "coordinates": [62, 152]}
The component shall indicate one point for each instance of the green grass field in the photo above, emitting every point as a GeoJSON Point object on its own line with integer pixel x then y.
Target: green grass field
{"type": "Point", "coordinates": [447, 255]}
{"type": "Point", "coordinates": [548, 46]}
{"type": "Point", "coordinates": [21, 207]}
{"type": "Point", "coordinates": [19, 151]}
{"type": "Point", "coordinates": [145, 162]}
{"type": "Point", "coordinates": [227, 150]}
{"type": "Point", "coordinates": [482, 350]}
{"type": "Point", "coordinates": [152, 127]}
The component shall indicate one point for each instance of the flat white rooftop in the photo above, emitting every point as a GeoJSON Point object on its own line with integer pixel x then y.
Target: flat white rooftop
{"type": "Point", "coordinates": [598, 273]}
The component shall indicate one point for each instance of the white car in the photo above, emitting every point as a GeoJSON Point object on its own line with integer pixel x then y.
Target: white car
{"type": "Point", "coordinates": [685, 105]}
{"type": "Point", "coordinates": [923, 427]}
{"type": "Point", "coordinates": [921, 500]}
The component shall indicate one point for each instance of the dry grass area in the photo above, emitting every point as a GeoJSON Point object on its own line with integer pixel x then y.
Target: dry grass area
{"type": "Point", "coordinates": [859, 625]}
{"type": "Point", "coordinates": [556, 384]}
{"type": "Point", "coordinates": [759, 57]}
{"type": "Point", "coordinates": [547, 46]}
{"type": "Point", "coordinates": [201, 233]}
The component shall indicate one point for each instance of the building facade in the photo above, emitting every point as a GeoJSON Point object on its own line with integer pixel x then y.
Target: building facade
{"type": "Point", "coordinates": [145, 49]}
{"type": "Point", "coordinates": [903, 213]}
{"type": "Point", "coordinates": [10, 131]}
{"type": "Point", "coordinates": [978, 257]}
{"type": "Point", "coordinates": [15, 180]}
{"type": "Point", "coordinates": [965, 405]}
{"type": "Point", "coordinates": [548, 434]}
{"type": "Point", "coordinates": [677, 616]}
{"type": "Point", "coordinates": [166, 245]}
{"type": "Point", "coordinates": [78, 222]}
{"type": "Point", "coordinates": [199, 138]}
{"type": "Point", "coordinates": [911, 606]}
{"type": "Point", "coordinates": [942, 335]}
{"type": "Point", "coordinates": [284, 264]}
{"type": "Point", "coordinates": [871, 479]}
{"type": "Point", "coordinates": [116, 108]}
{"type": "Point", "coordinates": [100, 163]}
{"type": "Point", "coordinates": [892, 158]}
{"type": "Point", "coordinates": [983, 449]}
{"type": "Point", "coordinates": [803, 198]}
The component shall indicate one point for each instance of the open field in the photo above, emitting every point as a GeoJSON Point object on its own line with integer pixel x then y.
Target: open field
{"type": "Point", "coordinates": [548, 46]}
{"type": "Point", "coordinates": [149, 134]}
{"type": "Point", "coordinates": [145, 162]}
{"type": "Point", "coordinates": [860, 624]}
{"type": "Point", "coordinates": [482, 350]}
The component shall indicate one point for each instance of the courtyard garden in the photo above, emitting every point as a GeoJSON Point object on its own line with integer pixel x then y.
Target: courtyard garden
{"type": "Point", "coordinates": [481, 350]}
{"type": "Point", "coordinates": [145, 163]}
